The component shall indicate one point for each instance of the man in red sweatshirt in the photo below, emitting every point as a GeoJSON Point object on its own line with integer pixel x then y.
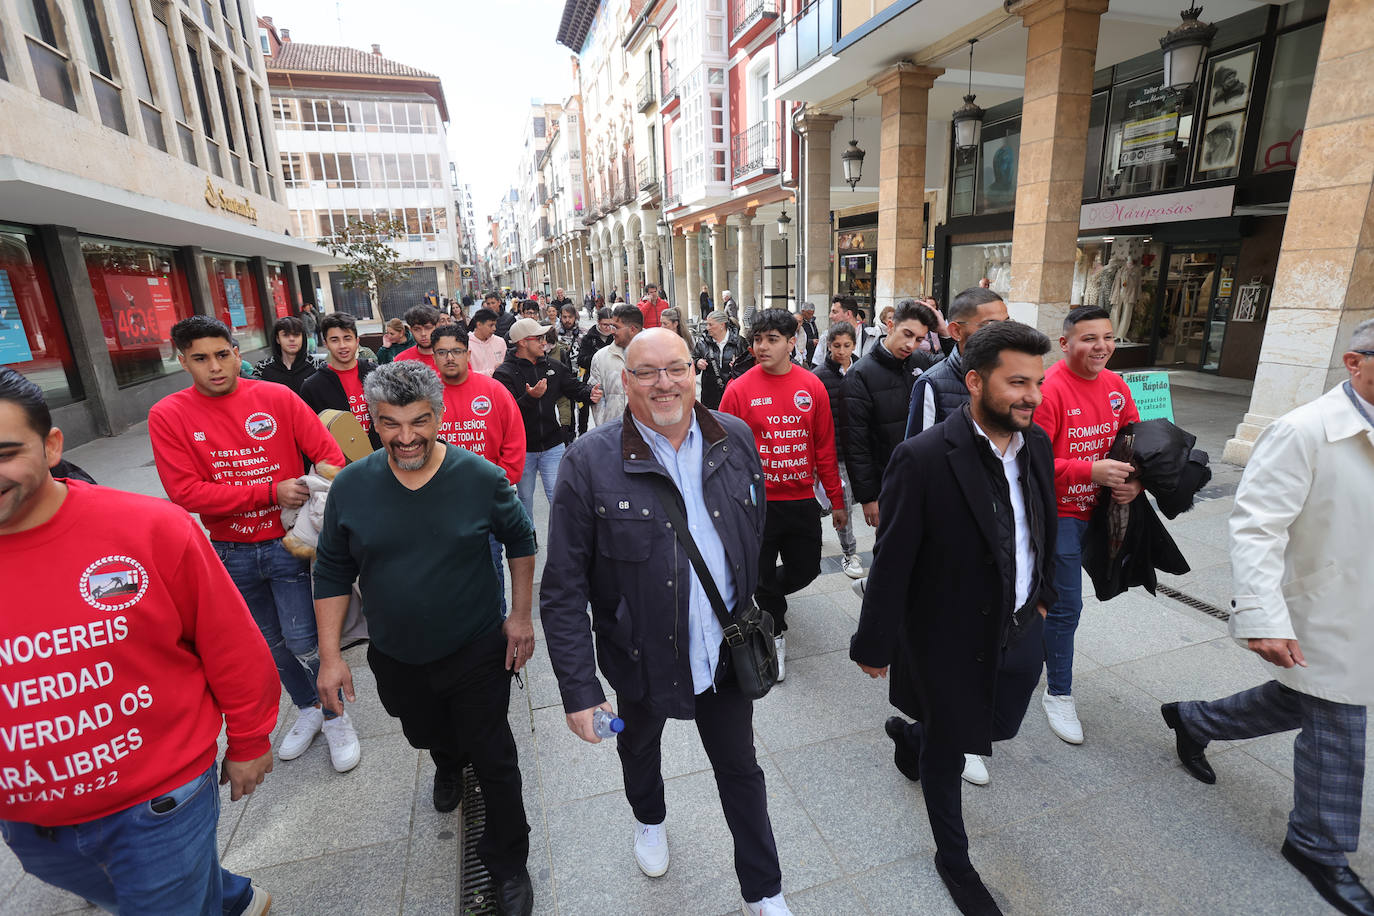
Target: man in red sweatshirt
{"type": "Point", "coordinates": [480, 416]}
{"type": "Point", "coordinates": [124, 650]}
{"type": "Point", "coordinates": [789, 411]}
{"type": "Point", "coordinates": [1085, 403]}
{"type": "Point", "coordinates": [230, 449]}
{"type": "Point", "coordinates": [422, 320]}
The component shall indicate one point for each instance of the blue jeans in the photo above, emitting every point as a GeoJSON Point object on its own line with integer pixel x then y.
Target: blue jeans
{"type": "Point", "coordinates": [137, 860]}
{"type": "Point", "coordinates": [496, 556]}
{"type": "Point", "coordinates": [276, 587]}
{"type": "Point", "coordinates": [1062, 620]}
{"type": "Point", "coordinates": [546, 463]}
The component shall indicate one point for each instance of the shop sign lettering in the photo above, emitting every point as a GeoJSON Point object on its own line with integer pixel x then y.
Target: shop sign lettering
{"type": "Point", "coordinates": [1150, 391]}
{"type": "Point", "coordinates": [1209, 203]}
{"type": "Point", "coordinates": [241, 206]}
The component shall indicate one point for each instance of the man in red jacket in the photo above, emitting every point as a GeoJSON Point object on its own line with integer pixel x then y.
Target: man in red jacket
{"type": "Point", "coordinates": [789, 411]}
{"type": "Point", "coordinates": [652, 306]}
{"type": "Point", "coordinates": [1085, 404]}
{"type": "Point", "coordinates": [230, 449]}
{"type": "Point", "coordinates": [125, 649]}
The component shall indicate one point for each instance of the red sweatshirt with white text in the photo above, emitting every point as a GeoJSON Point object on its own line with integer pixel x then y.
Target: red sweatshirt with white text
{"type": "Point", "coordinates": [222, 457]}
{"type": "Point", "coordinates": [793, 429]}
{"type": "Point", "coordinates": [124, 649]}
{"type": "Point", "coordinates": [481, 416]}
{"type": "Point", "coordinates": [1081, 418]}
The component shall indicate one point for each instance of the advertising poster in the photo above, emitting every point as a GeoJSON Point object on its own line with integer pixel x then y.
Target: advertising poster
{"type": "Point", "coordinates": [14, 343]}
{"type": "Point", "coordinates": [142, 310]}
{"type": "Point", "coordinates": [279, 299]}
{"type": "Point", "coordinates": [1150, 391]}
{"type": "Point", "coordinates": [234, 296]}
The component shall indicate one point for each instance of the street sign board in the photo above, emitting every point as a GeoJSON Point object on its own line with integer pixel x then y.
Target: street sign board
{"type": "Point", "coordinates": [1150, 391]}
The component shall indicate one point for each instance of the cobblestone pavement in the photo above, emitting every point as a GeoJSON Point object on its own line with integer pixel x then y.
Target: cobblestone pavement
{"type": "Point", "coordinates": [1111, 827]}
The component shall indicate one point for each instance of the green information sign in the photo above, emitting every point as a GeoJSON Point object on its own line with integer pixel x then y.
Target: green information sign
{"type": "Point", "coordinates": [1150, 390]}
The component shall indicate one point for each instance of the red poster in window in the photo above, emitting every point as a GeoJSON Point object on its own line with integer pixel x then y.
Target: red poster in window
{"type": "Point", "coordinates": [135, 312]}
{"type": "Point", "coordinates": [279, 297]}
{"type": "Point", "coordinates": [161, 290]}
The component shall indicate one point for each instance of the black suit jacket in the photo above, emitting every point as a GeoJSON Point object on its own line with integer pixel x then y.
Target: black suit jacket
{"type": "Point", "coordinates": [935, 608]}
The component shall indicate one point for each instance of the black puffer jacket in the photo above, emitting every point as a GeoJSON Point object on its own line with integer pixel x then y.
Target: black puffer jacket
{"type": "Point", "coordinates": [720, 365]}
{"type": "Point", "coordinates": [831, 377]}
{"type": "Point", "coordinates": [877, 394]}
{"type": "Point", "coordinates": [543, 430]}
{"type": "Point", "coordinates": [273, 369]}
{"type": "Point", "coordinates": [504, 321]}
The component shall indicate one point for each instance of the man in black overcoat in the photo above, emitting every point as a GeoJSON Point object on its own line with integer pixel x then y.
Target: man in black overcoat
{"type": "Point", "coordinates": [961, 577]}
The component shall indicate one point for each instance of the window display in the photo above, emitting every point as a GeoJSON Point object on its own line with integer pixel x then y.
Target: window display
{"type": "Point", "coordinates": [971, 264]}
{"type": "Point", "coordinates": [33, 339]}
{"type": "Point", "coordinates": [1147, 138]}
{"type": "Point", "coordinates": [235, 293]}
{"type": "Point", "coordinates": [140, 293]}
{"type": "Point", "coordinates": [1285, 107]}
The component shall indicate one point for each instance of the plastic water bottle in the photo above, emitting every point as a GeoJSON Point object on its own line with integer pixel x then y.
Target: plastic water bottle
{"type": "Point", "coordinates": [606, 725]}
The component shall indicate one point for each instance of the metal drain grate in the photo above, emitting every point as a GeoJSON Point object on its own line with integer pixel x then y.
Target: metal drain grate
{"type": "Point", "coordinates": [1196, 604]}
{"type": "Point", "coordinates": [476, 889]}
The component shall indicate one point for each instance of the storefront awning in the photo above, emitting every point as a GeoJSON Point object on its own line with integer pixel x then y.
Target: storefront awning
{"type": "Point", "coordinates": [38, 195]}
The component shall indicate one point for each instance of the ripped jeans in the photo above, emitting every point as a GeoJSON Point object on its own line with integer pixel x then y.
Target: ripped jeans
{"type": "Point", "coordinates": [276, 587]}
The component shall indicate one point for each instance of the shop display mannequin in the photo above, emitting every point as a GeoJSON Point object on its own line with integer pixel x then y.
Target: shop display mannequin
{"type": "Point", "coordinates": [1125, 287]}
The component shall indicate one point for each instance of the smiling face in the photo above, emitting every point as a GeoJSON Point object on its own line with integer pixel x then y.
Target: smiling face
{"type": "Point", "coordinates": [665, 403]}
{"type": "Point", "coordinates": [343, 348]}
{"type": "Point", "coordinates": [25, 461]}
{"type": "Point", "coordinates": [213, 364]}
{"type": "Point", "coordinates": [1006, 400]}
{"type": "Point", "coordinates": [1088, 346]}
{"type": "Point", "coordinates": [408, 433]}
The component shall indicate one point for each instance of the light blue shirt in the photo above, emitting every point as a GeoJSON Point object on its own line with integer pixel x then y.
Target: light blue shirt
{"type": "Point", "coordinates": [704, 631]}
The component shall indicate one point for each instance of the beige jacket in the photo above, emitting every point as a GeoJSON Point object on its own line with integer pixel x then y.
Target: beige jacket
{"type": "Point", "coordinates": [607, 371]}
{"type": "Point", "coordinates": [1302, 547]}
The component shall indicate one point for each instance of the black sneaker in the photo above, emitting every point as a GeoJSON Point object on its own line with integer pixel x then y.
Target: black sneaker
{"type": "Point", "coordinates": [448, 790]}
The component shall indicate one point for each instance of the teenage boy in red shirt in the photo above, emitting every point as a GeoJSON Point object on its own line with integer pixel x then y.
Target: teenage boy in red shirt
{"type": "Point", "coordinates": [126, 650]}
{"type": "Point", "coordinates": [230, 449]}
{"type": "Point", "coordinates": [422, 320]}
{"type": "Point", "coordinates": [789, 411]}
{"type": "Point", "coordinates": [339, 386]}
{"type": "Point", "coordinates": [1085, 403]}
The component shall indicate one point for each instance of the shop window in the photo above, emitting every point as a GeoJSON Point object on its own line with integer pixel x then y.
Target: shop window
{"type": "Point", "coordinates": [1148, 128]}
{"type": "Point", "coordinates": [33, 339]}
{"type": "Point", "coordinates": [1225, 107]}
{"type": "Point", "coordinates": [1285, 107]}
{"type": "Point", "coordinates": [1097, 132]}
{"type": "Point", "coordinates": [234, 291]}
{"type": "Point", "coordinates": [140, 292]}
{"type": "Point", "coordinates": [997, 167]}
{"type": "Point", "coordinates": [969, 264]}
{"type": "Point", "coordinates": [279, 288]}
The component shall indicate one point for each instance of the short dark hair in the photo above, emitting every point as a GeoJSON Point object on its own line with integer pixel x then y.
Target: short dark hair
{"type": "Point", "coordinates": [288, 324]}
{"type": "Point", "coordinates": [780, 320]}
{"type": "Point", "coordinates": [965, 305]}
{"type": "Point", "coordinates": [629, 314]}
{"type": "Point", "coordinates": [456, 331]}
{"type": "Point", "coordinates": [188, 330]}
{"type": "Point", "coordinates": [840, 329]}
{"type": "Point", "coordinates": [491, 294]}
{"type": "Point", "coordinates": [18, 390]}
{"type": "Point", "coordinates": [982, 352]}
{"type": "Point", "coordinates": [849, 304]}
{"type": "Point", "coordinates": [530, 304]}
{"type": "Point", "coordinates": [568, 310]}
{"type": "Point", "coordinates": [648, 286]}
{"type": "Point", "coordinates": [421, 314]}
{"type": "Point", "coordinates": [482, 315]}
{"type": "Point", "coordinates": [341, 320]}
{"type": "Point", "coordinates": [605, 313]}
{"type": "Point", "coordinates": [1084, 313]}
{"type": "Point", "coordinates": [911, 310]}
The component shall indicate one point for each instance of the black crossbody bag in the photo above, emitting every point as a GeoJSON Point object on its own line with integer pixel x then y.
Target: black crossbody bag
{"type": "Point", "coordinates": [749, 631]}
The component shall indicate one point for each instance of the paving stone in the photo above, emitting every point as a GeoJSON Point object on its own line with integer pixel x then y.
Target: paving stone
{"type": "Point", "coordinates": [908, 885]}
{"type": "Point", "coordinates": [363, 880]}
{"type": "Point", "coordinates": [816, 625]}
{"type": "Point", "coordinates": [1204, 671]}
{"type": "Point", "coordinates": [824, 696]}
{"type": "Point", "coordinates": [1135, 625]}
{"type": "Point", "coordinates": [30, 897]}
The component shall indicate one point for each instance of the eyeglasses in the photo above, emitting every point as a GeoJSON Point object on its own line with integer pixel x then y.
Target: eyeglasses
{"type": "Point", "coordinates": [647, 376]}
{"type": "Point", "coordinates": [1364, 352]}
{"type": "Point", "coordinates": [445, 354]}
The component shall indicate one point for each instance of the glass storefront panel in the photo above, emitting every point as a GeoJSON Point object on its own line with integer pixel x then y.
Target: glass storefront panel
{"type": "Point", "coordinates": [1121, 275]}
{"type": "Point", "coordinates": [856, 258]}
{"type": "Point", "coordinates": [140, 292]}
{"type": "Point", "coordinates": [280, 289]}
{"type": "Point", "coordinates": [1285, 106]}
{"type": "Point", "coordinates": [1147, 138]}
{"type": "Point", "coordinates": [235, 294]}
{"type": "Point", "coordinates": [33, 339]}
{"type": "Point", "coordinates": [970, 264]}
{"type": "Point", "coordinates": [997, 167]}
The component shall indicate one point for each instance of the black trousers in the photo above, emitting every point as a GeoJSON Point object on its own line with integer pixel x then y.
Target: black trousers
{"type": "Point", "coordinates": [725, 722]}
{"type": "Point", "coordinates": [792, 534]}
{"type": "Point", "coordinates": [455, 707]}
{"type": "Point", "coordinates": [942, 764]}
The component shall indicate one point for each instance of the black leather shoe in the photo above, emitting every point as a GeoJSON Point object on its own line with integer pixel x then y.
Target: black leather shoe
{"type": "Point", "coordinates": [1189, 751]}
{"type": "Point", "coordinates": [1338, 884]}
{"type": "Point", "coordinates": [907, 760]}
{"type": "Point", "coordinates": [515, 896]}
{"type": "Point", "coordinates": [448, 790]}
{"type": "Point", "coordinates": [969, 893]}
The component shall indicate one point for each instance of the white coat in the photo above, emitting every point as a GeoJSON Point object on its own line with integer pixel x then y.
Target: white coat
{"type": "Point", "coordinates": [1302, 547]}
{"type": "Point", "coordinates": [605, 370]}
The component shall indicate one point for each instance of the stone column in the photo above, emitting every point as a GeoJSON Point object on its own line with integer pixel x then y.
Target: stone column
{"type": "Point", "coordinates": [719, 267]}
{"type": "Point", "coordinates": [691, 275]}
{"type": "Point", "coordinates": [904, 90]}
{"type": "Point", "coordinates": [618, 268]}
{"type": "Point", "coordinates": [633, 289]}
{"type": "Point", "coordinates": [584, 267]}
{"type": "Point", "coordinates": [680, 296]}
{"type": "Point", "coordinates": [1060, 52]}
{"type": "Point", "coordinates": [748, 252]}
{"type": "Point", "coordinates": [817, 131]}
{"type": "Point", "coordinates": [1324, 283]}
{"type": "Point", "coordinates": [649, 236]}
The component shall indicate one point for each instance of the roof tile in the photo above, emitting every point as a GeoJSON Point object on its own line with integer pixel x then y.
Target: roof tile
{"type": "Point", "coordinates": [300, 56]}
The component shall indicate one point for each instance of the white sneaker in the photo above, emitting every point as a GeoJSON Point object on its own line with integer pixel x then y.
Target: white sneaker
{"type": "Point", "coordinates": [853, 566]}
{"type": "Point", "coordinates": [651, 849]}
{"type": "Point", "coordinates": [859, 586]}
{"type": "Point", "coordinates": [975, 771]}
{"type": "Point", "coordinates": [1063, 716]}
{"type": "Point", "coordinates": [260, 904]}
{"type": "Point", "coordinates": [344, 751]}
{"type": "Point", "coordinates": [780, 642]}
{"type": "Point", "coordinates": [768, 906]}
{"type": "Point", "coordinates": [308, 722]}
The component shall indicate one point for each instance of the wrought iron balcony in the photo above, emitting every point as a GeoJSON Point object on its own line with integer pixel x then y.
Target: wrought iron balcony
{"type": "Point", "coordinates": [672, 190]}
{"type": "Point", "coordinates": [755, 151]}
{"type": "Point", "coordinates": [669, 85]}
{"type": "Point", "coordinates": [745, 14]}
{"type": "Point", "coordinates": [648, 174]}
{"type": "Point", "coordinates": [644, 92]}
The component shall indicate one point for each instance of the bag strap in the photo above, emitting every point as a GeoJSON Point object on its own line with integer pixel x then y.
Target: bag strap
{"type": "Point", "coordinates": [671, 499]}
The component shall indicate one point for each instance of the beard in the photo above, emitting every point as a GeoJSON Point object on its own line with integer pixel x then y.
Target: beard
{"type": "Point", "coordinates": [669, 416]}
{"type": "Point", "coordinates": [412, 464]}
{"type": "Point", "coordinates": [1003, 420]}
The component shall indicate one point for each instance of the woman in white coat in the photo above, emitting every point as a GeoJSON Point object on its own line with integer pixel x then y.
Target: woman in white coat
{"type": "Point", "coordinates": [1304, 601]}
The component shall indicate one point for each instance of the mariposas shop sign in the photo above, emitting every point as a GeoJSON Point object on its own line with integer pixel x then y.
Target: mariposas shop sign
{"type": "Point", "coordinates": [1209, 203]}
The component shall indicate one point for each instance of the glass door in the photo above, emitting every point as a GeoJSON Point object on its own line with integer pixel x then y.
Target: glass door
{"type": "Point", "coordinates": [856, 278]}
{"type": "Point", "coordinates": [1197, 292]}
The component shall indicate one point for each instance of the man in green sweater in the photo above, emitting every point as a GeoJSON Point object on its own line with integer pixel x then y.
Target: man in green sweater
{"type": "Point", "coordinates": [441, 655]}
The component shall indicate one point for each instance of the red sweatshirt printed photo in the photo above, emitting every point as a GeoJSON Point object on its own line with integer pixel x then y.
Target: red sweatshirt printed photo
{"type": "Point", "coordinates": [793, 429]}
{"type": "Point", "coordinates": [222, 457]}
{"type": "Point", "coordinates": [481, 416]}
{"type": "Point", "coordinates": [124, 649]}
{"type": "Point", "coordinates": [1081, 418]}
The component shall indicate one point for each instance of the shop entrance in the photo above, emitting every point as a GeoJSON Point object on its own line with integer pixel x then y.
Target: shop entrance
{"type": "Point", "coordinates": [1193, 307]}
{"type": "Point", "coordinates": [856, 277]}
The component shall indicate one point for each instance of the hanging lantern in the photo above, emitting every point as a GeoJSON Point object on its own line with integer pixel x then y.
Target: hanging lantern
{"type": "Point", "coordinates": [852, 158]}
{"type": "Point", "coordinates": [1184, 49]}
{"type": "Point", "coordinates": [968, 119]}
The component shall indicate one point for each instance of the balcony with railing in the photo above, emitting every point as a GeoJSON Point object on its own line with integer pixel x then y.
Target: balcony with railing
{"type": "Point", "coordinates": [668, 96]}
{"type": "Point", "coordinates": [805, 37]}
{"type": "Point", "coordinates": [754, 152]}
{"type": "Point", "coordinates": [749, 17]}
{"type": "Point", "coordinates": [647, 170]}
{"type": "Point", "coordinates": [672, 190]}
{"type": "Point", "coordinates": [644, 92]}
